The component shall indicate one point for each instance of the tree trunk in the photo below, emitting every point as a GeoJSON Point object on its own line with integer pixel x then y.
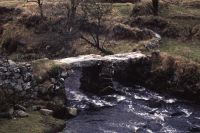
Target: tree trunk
{"type": "Point", "coordinates": [97, 41]}
{"type": "Point", "coordinates": [155, 4]}
{"type": "Point", "coordinates": [40, 8]}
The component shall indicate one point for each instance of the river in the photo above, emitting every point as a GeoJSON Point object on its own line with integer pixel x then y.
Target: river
{"type": "Point", "coordinates": [132, 109]}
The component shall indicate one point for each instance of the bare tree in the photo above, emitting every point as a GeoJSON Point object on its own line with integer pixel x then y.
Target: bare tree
{"type": "Point", "coordinates": [97, 14]}
{"type": "Point", "coordinates": [64, 19]}
{"type": "Point", "coordinates": [72, 14]}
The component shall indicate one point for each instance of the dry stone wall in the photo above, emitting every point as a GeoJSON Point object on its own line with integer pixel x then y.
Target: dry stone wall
{"type": "Point", "coordinates": [15, 82]}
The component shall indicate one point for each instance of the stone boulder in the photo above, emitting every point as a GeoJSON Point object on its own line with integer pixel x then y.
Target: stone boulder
{"type": "Point", "coordinates": [46, 112]}
{"type": "Point", "coordinates": [20, 114]}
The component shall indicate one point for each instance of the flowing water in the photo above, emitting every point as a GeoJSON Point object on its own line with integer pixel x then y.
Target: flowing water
{"type": "Point", "coordinates": [131, 110]}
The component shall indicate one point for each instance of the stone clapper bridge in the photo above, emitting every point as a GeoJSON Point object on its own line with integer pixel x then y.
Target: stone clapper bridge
{"type": "Point", "coordinates": [97, 73]}
{"type": "Point", "coordinates": [87, 60]}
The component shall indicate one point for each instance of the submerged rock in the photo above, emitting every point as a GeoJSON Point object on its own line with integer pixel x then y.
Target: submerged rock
{"type": "Point", "coordinates": [194, 128]}
{"type": "Point", "coordinates": [178, 113]}
{"type": "Point", "coordinates": [142, 130]}
{"type": "Point", "coordinates": [154, 126]}
{"type": "Point", "coordinates": [72, 111]}
{"type": "Point", "coordinates": [155, 103]}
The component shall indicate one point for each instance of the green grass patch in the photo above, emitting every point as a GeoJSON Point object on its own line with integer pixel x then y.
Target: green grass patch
{"type": "Point", "coordinates": [124, 8]}
{"type": "Point", "coordinates": [171, 10]}
{"type": "Point", "coordinates": [35, 123]}
{"type": "Point", "coordinates": [187, 49]}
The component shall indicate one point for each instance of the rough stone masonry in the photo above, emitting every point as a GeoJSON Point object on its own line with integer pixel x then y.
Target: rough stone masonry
{"type": "Point", "coordinates": [15, 82]}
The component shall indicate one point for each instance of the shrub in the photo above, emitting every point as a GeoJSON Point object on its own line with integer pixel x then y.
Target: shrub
{"type": "Point", "coordinates": [122, 31]}
{"type": "Point", "coordinates": [196, 31]}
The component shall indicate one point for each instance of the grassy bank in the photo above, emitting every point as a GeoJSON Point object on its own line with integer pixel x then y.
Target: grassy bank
{"type": "Point", "coordinates": [35, 123]}
{"type": "Point", "coordinates": [188, 49]}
